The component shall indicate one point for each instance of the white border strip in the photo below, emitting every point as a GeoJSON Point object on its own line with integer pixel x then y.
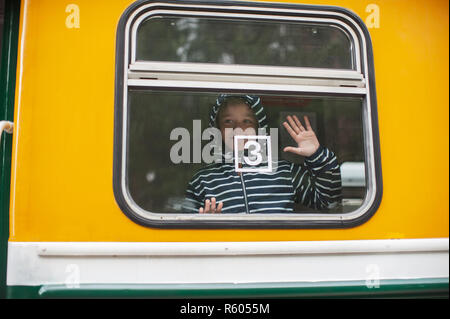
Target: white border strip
{"type": "Point", "coordinates": [75, 263]}
{"type": "Point", "coordinates": [55, 249]}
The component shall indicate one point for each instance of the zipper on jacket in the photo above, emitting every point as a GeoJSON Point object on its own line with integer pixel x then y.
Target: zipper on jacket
{"type": "Point", "coordinates": [244, 191]}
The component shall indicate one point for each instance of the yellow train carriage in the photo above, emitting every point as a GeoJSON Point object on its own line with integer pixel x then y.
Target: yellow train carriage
{"type": "Point", "coordinates": [94, 90]}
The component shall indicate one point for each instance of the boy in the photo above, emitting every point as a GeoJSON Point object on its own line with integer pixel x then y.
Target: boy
{"type": "Point", "coordinates": [218, 188]}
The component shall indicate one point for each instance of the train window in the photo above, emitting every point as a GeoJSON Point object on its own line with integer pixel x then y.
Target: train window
{"type": "Point", "coordinates": [251, 115]}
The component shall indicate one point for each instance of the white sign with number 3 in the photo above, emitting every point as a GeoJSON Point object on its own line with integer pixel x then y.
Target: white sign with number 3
{"type": "Point", "coordinates": [254, 157]}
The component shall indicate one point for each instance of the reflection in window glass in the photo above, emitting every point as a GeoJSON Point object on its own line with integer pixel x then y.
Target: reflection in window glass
{"type": "Point", "coordinates": [158, 183]}
{"type": "Point", "coordinates": [238, 41]}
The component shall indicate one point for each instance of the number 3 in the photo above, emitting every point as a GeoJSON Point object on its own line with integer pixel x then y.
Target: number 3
{"type": "Point", "coordinates": [255, 152]}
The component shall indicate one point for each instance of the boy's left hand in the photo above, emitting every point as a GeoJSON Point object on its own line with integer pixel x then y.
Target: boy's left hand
{"type": "Point", "coordinates": [307, 143]}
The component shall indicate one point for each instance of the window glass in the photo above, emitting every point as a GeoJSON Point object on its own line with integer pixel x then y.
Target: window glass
{"type": "Point", "coordinates": [159, 170]}
{"type": "Point", "coordinates": [240, 41]}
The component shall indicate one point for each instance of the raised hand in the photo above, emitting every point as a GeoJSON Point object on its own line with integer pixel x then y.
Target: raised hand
{"type": "Point", "coordinates": [211, 207]}
{"type": "Point", "coordinates": [307, 143]}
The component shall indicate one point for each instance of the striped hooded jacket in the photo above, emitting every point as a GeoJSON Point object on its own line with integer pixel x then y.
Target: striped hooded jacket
{"type": "Point", "coordinates": [316, 183]}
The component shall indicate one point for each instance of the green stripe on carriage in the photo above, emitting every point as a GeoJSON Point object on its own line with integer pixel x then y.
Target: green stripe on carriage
{"type": "Point", "coordinates": [8, 64]}
{"type": "Point", "coordinates": [405, 288]}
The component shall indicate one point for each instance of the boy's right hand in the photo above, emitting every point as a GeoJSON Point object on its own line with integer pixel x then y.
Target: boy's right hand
{"type": "Point", "coordinates": [211, 207]}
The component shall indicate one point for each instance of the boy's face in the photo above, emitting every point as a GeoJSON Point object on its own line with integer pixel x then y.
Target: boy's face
{"type": "Point", "coordinates": [236, 119]}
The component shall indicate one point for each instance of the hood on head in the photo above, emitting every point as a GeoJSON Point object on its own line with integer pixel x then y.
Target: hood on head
{"type": "Point", "coordinates": [253, 101]}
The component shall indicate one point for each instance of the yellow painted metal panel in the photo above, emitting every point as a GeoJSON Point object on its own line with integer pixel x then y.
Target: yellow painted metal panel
{"type": "Point", "coordinates": [61, 188]}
